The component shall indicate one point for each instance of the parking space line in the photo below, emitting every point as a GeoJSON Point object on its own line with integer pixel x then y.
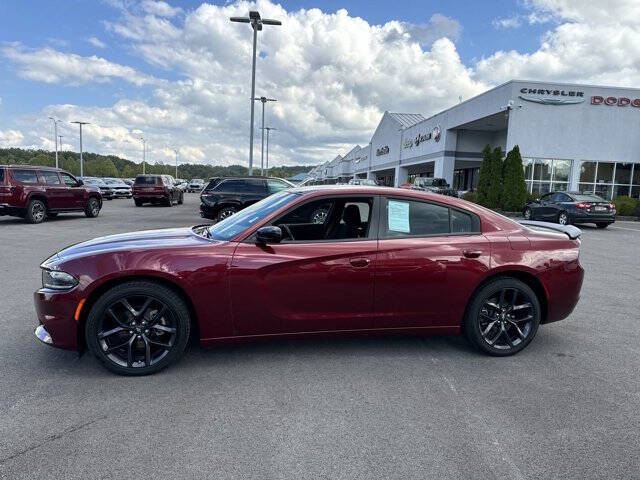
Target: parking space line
{"type": "Point", "coordinates": [624, 228]}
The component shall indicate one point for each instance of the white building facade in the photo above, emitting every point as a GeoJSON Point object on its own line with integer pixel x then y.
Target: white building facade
{"type": "Point", "coordinates": [571, 137]}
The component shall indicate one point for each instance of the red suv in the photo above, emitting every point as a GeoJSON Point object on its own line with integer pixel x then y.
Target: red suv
{"type": "Point", "coordinates": [156, 189]}
{"type": "Point", "coordinates": [35, 193]}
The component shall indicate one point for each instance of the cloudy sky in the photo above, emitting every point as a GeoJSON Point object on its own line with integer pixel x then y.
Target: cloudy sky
{"type": "Point", "coordinates": [178, 72]}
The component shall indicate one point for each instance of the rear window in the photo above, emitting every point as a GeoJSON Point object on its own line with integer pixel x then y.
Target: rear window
{"type": "Point", "coordinates": [587, 198]}
{"type": "Point", "coordinates": [212, 183]}
{"type": "Point", "coordinates": [25, 176]}
{"type": "Point", "coordinates": [146, 180]}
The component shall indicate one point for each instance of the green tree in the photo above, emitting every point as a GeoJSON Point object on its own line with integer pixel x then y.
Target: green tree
{"type": "Point", "coordinates": [484, 176]}
{"type": "Point", "coordinates": [514, 188]}
{"type": "Point", "coordinates": [495, 179]}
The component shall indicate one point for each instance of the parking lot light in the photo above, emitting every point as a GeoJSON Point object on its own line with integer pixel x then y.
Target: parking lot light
{"type": "Point", "coordinates": [81, 162]}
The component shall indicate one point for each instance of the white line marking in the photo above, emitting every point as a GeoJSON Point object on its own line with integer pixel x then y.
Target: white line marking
{"type": "Point", "coordinates": [623, 228]}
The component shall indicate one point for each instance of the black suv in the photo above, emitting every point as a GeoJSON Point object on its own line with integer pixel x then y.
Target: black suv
{"type": "Point", "coordinates": [224, 196]}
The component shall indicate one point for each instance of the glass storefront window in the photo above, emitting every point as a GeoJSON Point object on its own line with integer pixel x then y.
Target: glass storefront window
{"type": "Point", "coordinates": [635, 192]}
{"type": "Point", "coordinates": [527, 163]}
{"type": "Point", "coordinates": [560, 186]}
{"type": "Point", "coordinates": [541, 187]}
{"type": "Point", "coordinates": [561, 170]}
{"type": "Point", "coordinates": [605, 172]}
{"type": "Point", "coordinates": [588, 171]}
{"type": "Point", "coordinates": [542, 170]}
{"type": "Point", "coordinates": [636, 174]}
{"type": "Point", "coordinates": [586, 187]}
{"type": "Point", "coordinates": [623, 173]}
{"type": "Point", "coordinates": [620, 190]}
{"type": "Point", "coordinates": [603, 190]}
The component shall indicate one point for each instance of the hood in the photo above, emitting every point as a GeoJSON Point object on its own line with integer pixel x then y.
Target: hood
{"type": "Point", "coordinates": [143, 240]}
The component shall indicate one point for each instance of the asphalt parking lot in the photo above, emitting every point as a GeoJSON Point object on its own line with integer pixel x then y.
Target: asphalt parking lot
{"type": "Point", "coordinates": [372, 408]}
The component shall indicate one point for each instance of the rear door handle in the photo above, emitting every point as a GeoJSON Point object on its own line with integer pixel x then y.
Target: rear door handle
{"type": "Point", "coordinates": [472, 253]}
{"type": "Point", "coordinates": [359, 262]}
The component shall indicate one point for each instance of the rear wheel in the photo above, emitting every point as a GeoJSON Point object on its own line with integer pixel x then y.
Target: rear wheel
{"type": "Point", "coordinates": [527, 214]}
{"type": "Point", "coordinates": [92, 209]}
{"type": "Point", "coordinates": [563, 218]}
{"type": "Point", "coordinates": [36, 211]}
{"type": "Point", "coordinates": [168, 202]}
{"type": "Point", "coordinates": [138, 203]}
{"type": "Point", "coordinates": [225, 212]}
{"type": "Point", "coordinates": [138, 328]}
{"type": "Point", "coordinates": [602, 225]}
{"type": "Point", "coordinates": [503, 317]}
{"type": "Point", "coordinates": [181, 199]}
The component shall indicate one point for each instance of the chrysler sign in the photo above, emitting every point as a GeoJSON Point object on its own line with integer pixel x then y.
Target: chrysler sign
{"type": "Point", "coordinates": [551, 97]}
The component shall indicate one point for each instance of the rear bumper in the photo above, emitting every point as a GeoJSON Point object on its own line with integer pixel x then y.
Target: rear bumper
{"type": "Point", "coordinates": [150, 196]}
{"type": "Point", "coordinates": [562, 285]}
{"type": "Point", "coordinates": [578, 217]}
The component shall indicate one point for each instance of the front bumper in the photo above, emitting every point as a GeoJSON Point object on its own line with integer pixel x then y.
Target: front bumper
{"type": "Point", "coordinates": [55, 312]}
{"type": "Point", "coordinates": [41, 334]}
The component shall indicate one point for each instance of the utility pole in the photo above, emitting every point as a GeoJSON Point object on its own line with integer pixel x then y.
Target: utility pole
{"type": "Point", "coordinates": [263, 100]}
{"type": "Point", "coordinates": [81, 162]}
{"type": "Point", "coordinates": [256, 23]}
{"type": "Point", "coordinates": [268, 129]}
{"type": "Point", "coordinates": [60, 137]}
{"type": "Point", "coordinates": [176, 150]}
{"type": "Point", "coordinates": [55, 136]}
{"type": "Point", "coordinates": [144, 153]}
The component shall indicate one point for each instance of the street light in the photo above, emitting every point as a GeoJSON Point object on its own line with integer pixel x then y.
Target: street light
{"type": "Point", "coordinates": [55, 136]}
{"type": "Point", "coordinates": [81, 163]}
{"type": "Point", "coordinates": [268, 129]}
{"type": "Point", "coordinates": [176, 150]}
{"type": "Point", "coordinates": [263, 100]}
{"type": "Point", "coordinates": [256, 23]}
{"type": "Point", "coordinates": [144, 153]}
{"type": "Point", "coordinates": [60, 137]}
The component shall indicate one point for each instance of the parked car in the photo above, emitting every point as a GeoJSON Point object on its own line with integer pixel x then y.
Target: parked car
{"type": "Point", "coordinates": [37, 193]}
{"type": "Point", "coordinates": [433, 185]}
{"type": "Point", "coordinates": [119, 187]}
{"type": "Point", "coordinates": [105, 190]}
{"type": "Point", "coordinates": [571, 207]}
{"type": "Point", "coordinates": [224, 196]}
{"type": "Point", "coordinates": [181, 184]}
{"type": "Point", "coordinates": [195, 185]}
{"type": "Point", "coordinates": [370, 182]}
{"type": "Point", "coordinates": [156, 189]}
{"type": "Point", "coordinates": [134, 299]}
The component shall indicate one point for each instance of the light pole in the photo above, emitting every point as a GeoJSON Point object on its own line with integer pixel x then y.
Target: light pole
{"type": "Point", "coordinates": [268, 129]}
{"type": "Point", "coordinates": [81, 163]}
{"type": "Point", "coordinates": [256, 23]}
{"type": "Point", "coordinates": [176, 150]}
{"type": "Point", "coordinates": [144, 153]}
{"type": "Point", "coordinates": [55, 136]}
{"type": "Point", "coordinates": [60, 137]}
{"type": "Point", "coordinates": [263, 100]}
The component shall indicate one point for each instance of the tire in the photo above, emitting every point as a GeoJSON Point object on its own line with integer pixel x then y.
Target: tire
{"type": "Point", "coordinates": [125, 351]}
{"type": "Point", "coordinates": [181, 199]}
{"type": "Point", "coordinates": [36, 211]}
{"type": "Point", "coordinates": [92, 209]}
{"type": "Point", "coordinates": [168, 202]}
{"type": "Point", "coordinates": [564, 218]}
{"type": "Point", "coordinates": [602, 225]}
{"type": "Point", "coordinates": [527, 214]}
{"type": "Point", "coordinates": [496, 331]}
{"type": "Point", "coordinates": [138, 203]}
{"type": "Point", "coordinates": [225, 212]}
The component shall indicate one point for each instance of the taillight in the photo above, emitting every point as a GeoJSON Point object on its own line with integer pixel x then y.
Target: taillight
{"type": "Point", "coordinates": [612, 206]}
{"type": "Point", "coordinates": [582, 205]}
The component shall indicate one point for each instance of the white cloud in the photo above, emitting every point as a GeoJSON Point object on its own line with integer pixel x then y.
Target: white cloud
{"type": "Point", "coordinates": [96, 42]}
{"type": "Point", "coordinates": [11, 138]}
{"type": "Point", "coordinates": [333, 75]}
{"type": "Point", "coordinates": [52, 66]}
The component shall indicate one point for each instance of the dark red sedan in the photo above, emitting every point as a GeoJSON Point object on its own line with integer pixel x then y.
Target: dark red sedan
{"type": "Point", "coordinates": [306, 261]}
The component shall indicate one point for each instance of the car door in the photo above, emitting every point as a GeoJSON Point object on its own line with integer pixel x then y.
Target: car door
{"type": "Point", "coordinates": [56, 190]}
{"type": "Point", "coordinates": [430, 258]}
{"type": "Point", "coordinates": [311, 283]}
{"type": "Point", "coordinates": [74, 196]}
{"type": "Point", "coordinates": [545, 210]}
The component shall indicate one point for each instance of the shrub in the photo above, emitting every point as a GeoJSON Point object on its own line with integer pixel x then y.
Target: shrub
{"type": "Point", "coordinates": [484, 176]}
{"type": "Point", "coordinates": [470, 197]}
{"type": "Point", "coordinates": [626, 205]}
{"type": "Point", "coordinates": [490, 177]}
{"type": "Point", "coordinates": [514, 188]}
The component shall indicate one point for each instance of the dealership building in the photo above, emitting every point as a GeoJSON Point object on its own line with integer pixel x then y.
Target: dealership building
{"type": "Point", "coordinates": [571, 137]}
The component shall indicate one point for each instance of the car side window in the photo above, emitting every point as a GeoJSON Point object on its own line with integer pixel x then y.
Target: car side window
{"type": "Point", "coordinates": [275, 186]}
{"type": "Point", "coordinates": [407, 218]}
{"type": "Point", "coordinates": [51, 178]}
{"type": "Point", "coordinates": [69, 180]}
{"type": "Point", "coordinates": [25, 175]}
{"type": "Point", "coordinates": [242, 186]}
{"type": "Point", "coordinates": [327, 219]}
{"type": "Point", "coordinates": [547, 198]}
{"type": "Point", "coordinates": [462, 222]}
{"type": "Point", "coordinates": [2, 175]}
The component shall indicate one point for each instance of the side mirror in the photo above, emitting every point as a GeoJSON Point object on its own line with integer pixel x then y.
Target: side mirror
{"type": "Point", "coordinates": [80, 183]}
{"type": "Point", "coordinates": [267, 235]}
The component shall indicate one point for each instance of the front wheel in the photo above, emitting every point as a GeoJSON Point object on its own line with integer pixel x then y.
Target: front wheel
{"type": "Point", "coordinates": [527, 214]}
{"type": "Point", "coordinates": [181, 199]}
{"type": "Point", "coordinates": [92, 209]}
{"type": "Point", "coordinates": [168, 202]}
{"type": "Point", "coordinates": [503, 317]}
{"type": "Point", "coordinates": [226, 212]}
{"type": "Point", "coordinates": [138, 328]}
{"type": "Point", "coordinates": [563, 218]}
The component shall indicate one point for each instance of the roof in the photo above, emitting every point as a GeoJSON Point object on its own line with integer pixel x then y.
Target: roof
{"type": "Point", "coordinates": [407, 119]}
{"type": "Point", "coordinates": [33, 167]}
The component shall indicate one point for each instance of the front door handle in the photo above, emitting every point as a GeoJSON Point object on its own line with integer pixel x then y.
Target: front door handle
{"type": "Point", "coordinates": [359, 262]}
{"type": "Point", "coordinates": [472, 253]}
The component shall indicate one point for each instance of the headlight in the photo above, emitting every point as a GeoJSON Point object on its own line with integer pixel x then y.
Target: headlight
{"type": "Point", "coordinates": [56, 280]}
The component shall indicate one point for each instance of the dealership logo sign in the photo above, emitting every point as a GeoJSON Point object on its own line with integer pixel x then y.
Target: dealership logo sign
{"type": "Point", "coordinates": [551, 97]}
{"type": "Point", "coordinates": [618, 101]}
{"type": "Point", "coordinates": [420, 138]}
{"type": "Point", "coordinates": [382, 150]}
{"type": "Point", "coordinates": [436, 132]}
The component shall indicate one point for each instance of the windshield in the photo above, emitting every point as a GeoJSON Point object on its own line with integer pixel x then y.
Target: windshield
{"type": "Point", "coordinates": [93, 181]}
{"type": "Point", "coordinates": [114, 181]}
{"type": "Point", "coordinates": [140, 180]}
{"type": "Point", "coordinates": [231, 226]}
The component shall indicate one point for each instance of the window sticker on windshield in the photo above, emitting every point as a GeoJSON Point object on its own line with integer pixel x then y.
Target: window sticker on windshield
{"type": "Point", "coordinates": [398, 216]}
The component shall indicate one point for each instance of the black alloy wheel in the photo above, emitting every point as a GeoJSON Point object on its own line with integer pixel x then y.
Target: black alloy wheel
{"type": "Point", "coordinates": [138, 328]}
{"type": "Point", "coordinates": [226, 212]}
{"type": "Point", "coordinates": [527, 214]}
{"type": "Point", "coordinates": [503, 317]}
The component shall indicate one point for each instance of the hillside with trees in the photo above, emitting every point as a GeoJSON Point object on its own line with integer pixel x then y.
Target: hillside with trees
{"type": "Point", "coordinates": [96, 165]}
